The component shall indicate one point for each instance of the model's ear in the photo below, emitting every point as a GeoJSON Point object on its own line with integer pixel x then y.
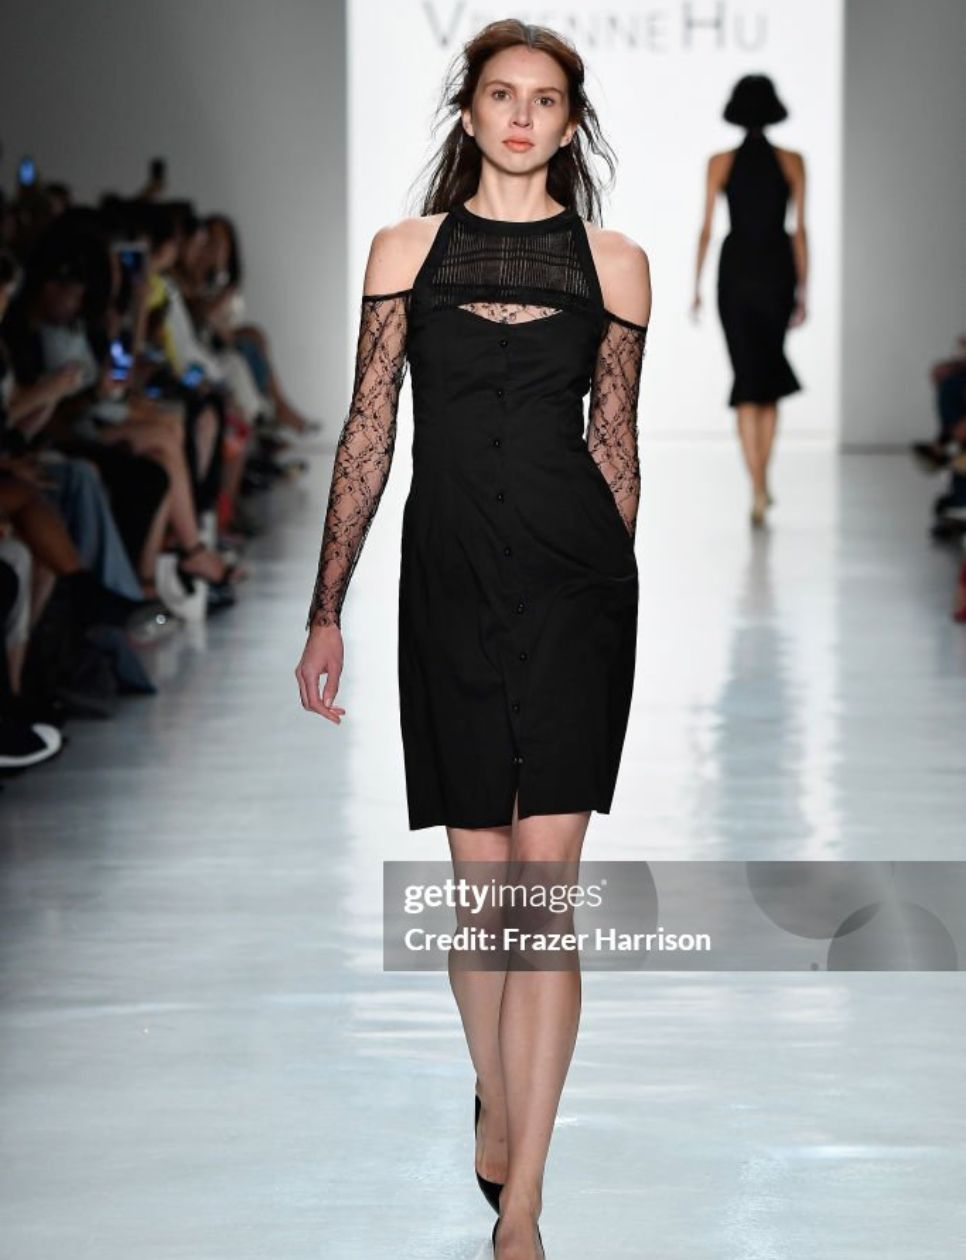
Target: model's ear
{"type": "Point", "coordinates": [467, 121]}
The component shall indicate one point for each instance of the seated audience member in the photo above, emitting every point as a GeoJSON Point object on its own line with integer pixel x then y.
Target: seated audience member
{"type": "Point", "coordinates": [138, 408]}
{"type": "Point", "coordinates": [72, 484]}
{"type": "Point", "coordinates": [948, 377]}
{"type": "Point", "coordinates": [217, 276]}
{"type": "Point", "coordinates": [56, 321]}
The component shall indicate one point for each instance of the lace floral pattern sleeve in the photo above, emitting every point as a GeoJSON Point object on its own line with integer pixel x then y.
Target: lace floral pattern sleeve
{"type": "Point", "coordinates": [364, 451]}
{"type": "Point", "coordinates": [612, 427]}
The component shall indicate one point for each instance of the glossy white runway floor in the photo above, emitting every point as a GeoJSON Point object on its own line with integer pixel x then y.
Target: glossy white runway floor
{"type": "Point", "coordinates": [202, 1057]}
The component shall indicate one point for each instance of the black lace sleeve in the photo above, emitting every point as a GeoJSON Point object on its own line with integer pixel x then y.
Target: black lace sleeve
{"type": "Point", "coordinates": [612, 426]}
{"type": "Point", "coordinates": [364, 451]}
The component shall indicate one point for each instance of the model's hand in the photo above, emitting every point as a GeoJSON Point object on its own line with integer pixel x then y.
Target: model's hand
{"type": "Point", "coordinates": [323, 654]}
{"type": "Point", "coordinates": [798, 313]}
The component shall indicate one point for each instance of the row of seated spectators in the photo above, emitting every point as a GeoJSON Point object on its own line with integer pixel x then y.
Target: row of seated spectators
{"type": "Point", "coordinates": [139, 412]}
{"type": "Point", "coordinates": [945, 453]}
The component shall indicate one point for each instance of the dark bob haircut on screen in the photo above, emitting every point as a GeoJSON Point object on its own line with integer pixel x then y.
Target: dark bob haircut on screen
{"type": "Point", "coordinates": [754, 103]}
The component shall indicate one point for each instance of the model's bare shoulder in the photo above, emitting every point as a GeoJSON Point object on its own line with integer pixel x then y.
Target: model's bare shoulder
{"type": "Point", "coordinates": [792, 163]}
{"type": "Point", "coordinates": [397, 252]}
{"type": "Point", "coordinates": [624, 271]}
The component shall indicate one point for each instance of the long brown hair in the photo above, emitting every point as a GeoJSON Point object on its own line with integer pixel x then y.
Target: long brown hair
{"type": "Point", "coordinates": [455, 166]}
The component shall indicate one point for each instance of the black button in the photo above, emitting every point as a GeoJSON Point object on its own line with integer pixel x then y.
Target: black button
{"type": "Point", "coordinates": [515, 706]}
{"type": "Point", "coordinates": [521, 606]}
{"type": "Point", "coordinates": [499, 393]}
{"type": "Point", "coordinates": [496, 441]}
{"type": "Point", "coordinates": [503, 341]}
{"type": "Point", "coordinates": [507, 551]}
{"type": "Point", "coordinates": [500, 496]}
{"type": "Point", "coordinates": [523, 656]}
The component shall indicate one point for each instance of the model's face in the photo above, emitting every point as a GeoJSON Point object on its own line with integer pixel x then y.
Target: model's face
{"type": "Point", "coordinates": [521, 97]}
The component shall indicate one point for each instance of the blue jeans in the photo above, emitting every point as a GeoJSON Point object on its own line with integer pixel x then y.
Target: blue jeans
{"type": "Point", "coordinates": [82, 502]}
{"type": "Point", "coordinates": [256, 360]}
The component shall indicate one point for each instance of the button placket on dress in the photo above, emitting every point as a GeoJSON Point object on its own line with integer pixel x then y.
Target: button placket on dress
{"type": "Point", "coordinates": [517, 602]}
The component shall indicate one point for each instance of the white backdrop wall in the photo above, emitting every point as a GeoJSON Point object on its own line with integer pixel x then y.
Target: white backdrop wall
{"type": "Point", "coordinates": [659, 75]}
{"type": "Point", "coordinates": [245, 99]}
{"type": "Point", "coordinates": [904, 259]}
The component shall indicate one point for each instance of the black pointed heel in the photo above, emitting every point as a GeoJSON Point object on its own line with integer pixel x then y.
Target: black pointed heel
{"type": "Point", "coordinates": [493, 1237]}
{"type": "Point", "coordinates": [491, 1189]}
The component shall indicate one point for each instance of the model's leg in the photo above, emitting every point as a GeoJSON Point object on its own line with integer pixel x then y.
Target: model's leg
{"type": "Point", "coordinates": [767, 423]}
{"type": "Point", "coordinates": [538, 1032]}
{"type": "Point", "coordinates": [748, 417]}
{"type": "Point", "coordinates": [478, 995]}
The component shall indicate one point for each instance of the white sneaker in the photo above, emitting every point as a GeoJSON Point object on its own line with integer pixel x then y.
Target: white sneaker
{"type": "Point", "coordinates": [22, 745]}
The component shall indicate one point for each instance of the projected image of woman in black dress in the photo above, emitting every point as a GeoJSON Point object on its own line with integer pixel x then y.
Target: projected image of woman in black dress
{"type": "Point", "coordinates": [762, 271]}
{"type": "Point", "coordinates": [518, 584]}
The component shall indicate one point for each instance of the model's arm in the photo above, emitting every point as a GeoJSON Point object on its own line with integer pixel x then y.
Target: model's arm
{"type": "Point", "coordinates": [364, 450]}
{"type": "Point", "coordinates": [711, 189]}
{"type": "Point", "coordinates": [612, 427]}
{"type": "Point", "coordinates": [799, 239]}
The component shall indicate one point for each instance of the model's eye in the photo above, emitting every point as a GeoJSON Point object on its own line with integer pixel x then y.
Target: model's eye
{"type": "Point", "coordinates": [551, 100]}
{"type": "Point", "coordinates": [498, 92]}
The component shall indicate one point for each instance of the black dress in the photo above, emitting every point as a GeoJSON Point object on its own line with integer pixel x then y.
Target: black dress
{"type": "Point", "coordinates": [756, 275]}
{"type": "Point", "coordinates": [518, 583]}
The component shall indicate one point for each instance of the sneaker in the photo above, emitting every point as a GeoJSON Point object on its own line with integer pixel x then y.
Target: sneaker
{"type": "Point", "coordinates": [22, 745]}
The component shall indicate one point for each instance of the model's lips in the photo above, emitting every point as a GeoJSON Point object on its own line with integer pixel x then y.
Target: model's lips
{"type": "Point", "coordinates": [519, 144]}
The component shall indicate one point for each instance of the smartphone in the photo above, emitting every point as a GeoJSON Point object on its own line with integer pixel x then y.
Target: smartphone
{"type": "Point", "coordinates": [26, 172]}
{"type": "Point", "coordinates": [121, 361]}
{"type": "Point", "coordinates": [132, 255]}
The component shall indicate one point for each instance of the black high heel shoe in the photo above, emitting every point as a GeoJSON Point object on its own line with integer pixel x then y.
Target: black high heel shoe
{"type": "Point", "coordinates": [491, 1189]}
{"type": "Point", "coordinates": [493, 1237]}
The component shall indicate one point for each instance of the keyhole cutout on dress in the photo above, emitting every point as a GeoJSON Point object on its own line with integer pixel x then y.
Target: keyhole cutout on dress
{"type": "Point", "coordinates": [510, 312]}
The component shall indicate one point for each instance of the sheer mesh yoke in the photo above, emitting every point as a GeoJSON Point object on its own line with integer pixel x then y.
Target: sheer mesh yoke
{"type": "Point", "coordinates": [612, 428]}
{"type": "Point", "coordinates": [526, 265]}
{"type": "Point", "coordinates": [364, 450]}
